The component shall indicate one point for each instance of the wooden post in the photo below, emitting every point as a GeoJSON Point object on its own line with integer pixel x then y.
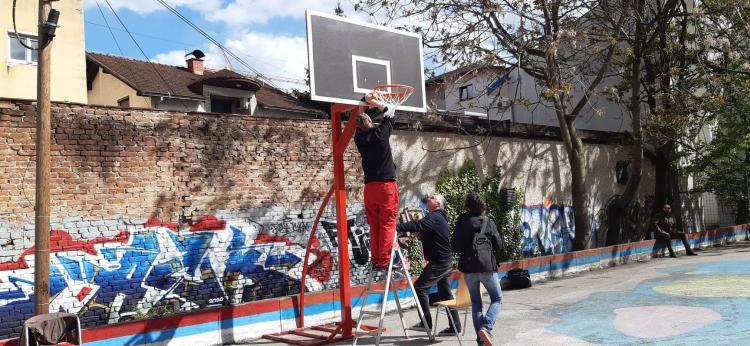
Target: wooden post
{"type": "Point", "coordinates": [43, 137]}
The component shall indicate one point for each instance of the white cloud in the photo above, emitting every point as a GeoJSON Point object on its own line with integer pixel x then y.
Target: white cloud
{"type": "Point", "coordinates": [148, 6]}
{"type": "Point", "coordinates": [243, 13]}
{"type": "Point", "coordinates": [275, 55]}
{"type": "Point", "coordinates": [175, 57]}
{"type": "Point", "coordinates": [281, 58]}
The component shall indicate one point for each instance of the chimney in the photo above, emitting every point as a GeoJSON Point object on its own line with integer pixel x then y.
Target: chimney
{"type": "Point", "coordinates": [195, 66]}
{"type": "Point", "coordinates": [195, 61]}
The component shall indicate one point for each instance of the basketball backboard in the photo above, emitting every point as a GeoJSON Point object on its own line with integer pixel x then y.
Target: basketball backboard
{"type": "Point", "coordinates": [348, 58]}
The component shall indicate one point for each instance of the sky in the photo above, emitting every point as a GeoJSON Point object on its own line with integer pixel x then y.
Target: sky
{"type": "Point", "coordinates": [269, 35]}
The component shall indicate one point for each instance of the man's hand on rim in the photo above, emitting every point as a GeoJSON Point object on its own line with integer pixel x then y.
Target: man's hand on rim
{"type": "Point", "coordinates": [373, 99]}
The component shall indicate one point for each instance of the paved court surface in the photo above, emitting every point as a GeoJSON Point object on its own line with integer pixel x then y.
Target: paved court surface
{"type": "Point", "coordinates": [699, 300]}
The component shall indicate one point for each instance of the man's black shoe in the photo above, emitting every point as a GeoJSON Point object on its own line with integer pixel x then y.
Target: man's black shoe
{"type": "Point", "coordinates": [672, 255]}
{"type": "Point", "coordinates": [449, 332]}
{"type": "Point", "coordinates": [692, 254]}
{"type": "Point", "coordinates": [418, 327]}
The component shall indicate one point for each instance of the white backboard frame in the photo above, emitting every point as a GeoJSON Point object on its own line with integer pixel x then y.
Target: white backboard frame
{"type": "Point", "coordinates": [314, 95]}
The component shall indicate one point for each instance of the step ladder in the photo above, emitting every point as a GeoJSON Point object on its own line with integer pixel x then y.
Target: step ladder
{"type": "Point", "coordinates": [390, 276]}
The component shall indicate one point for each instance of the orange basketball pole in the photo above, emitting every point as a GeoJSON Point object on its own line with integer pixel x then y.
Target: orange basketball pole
{"type": "Point", "coordinates": [340, 141]}
{"type": "Point", "coordinates": [341, 330]}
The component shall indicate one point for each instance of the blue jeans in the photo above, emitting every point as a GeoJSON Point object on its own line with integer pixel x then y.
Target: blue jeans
{"type": "Point", "coordinates": [492, 285]}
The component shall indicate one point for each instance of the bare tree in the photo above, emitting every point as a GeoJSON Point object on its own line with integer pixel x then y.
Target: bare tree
{"type": "Point", "coordinates": [641, 24]}
{"type": "Point", "coordinates": [563, 44]}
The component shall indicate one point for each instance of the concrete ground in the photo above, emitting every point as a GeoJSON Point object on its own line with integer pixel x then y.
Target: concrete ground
{"type": "Point", "coordinates": [684, 301]}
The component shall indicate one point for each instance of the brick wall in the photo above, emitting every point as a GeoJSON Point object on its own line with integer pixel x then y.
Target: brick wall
{"type": "Point", "coordinates": [155, 212]}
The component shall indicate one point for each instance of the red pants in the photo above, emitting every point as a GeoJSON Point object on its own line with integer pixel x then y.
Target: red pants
{"type": "Point", "coordinates": [381, 207]}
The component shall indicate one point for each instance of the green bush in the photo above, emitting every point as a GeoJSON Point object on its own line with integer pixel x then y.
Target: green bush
{"type": "Point", "coordinates": [454, 186]}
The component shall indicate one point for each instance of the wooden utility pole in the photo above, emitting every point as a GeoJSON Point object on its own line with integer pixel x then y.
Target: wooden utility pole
{"type": "Point", "coordinates": [43, 138]}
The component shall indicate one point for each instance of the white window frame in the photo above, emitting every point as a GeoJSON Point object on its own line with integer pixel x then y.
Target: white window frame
{"type": "Point", "coordinates": [469, 92]}
{"type": "Point", "coordinates": [26, 37]}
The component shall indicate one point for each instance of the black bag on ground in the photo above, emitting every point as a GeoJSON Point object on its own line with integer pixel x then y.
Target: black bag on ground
{"type": "Point", "coordinates": [519, 278]}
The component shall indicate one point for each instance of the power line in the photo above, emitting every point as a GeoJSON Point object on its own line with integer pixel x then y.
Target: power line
{"type": "Point", "coordinates": [15, 31]}
{"type": "Point", "coordinates": [176, 43]}
{"type": "Point", "coordinates": [108, 27]}
{"type": "Point", "coordinates": [144, 54]}
{"type": "Point", "coordinates": [210, 38]}
{"type": "Point", "coordinates": [273, 77]}
{"type": "Point", "coordinates": [276, 77]}
{"type": "Point", "coordinates": [214, 41]}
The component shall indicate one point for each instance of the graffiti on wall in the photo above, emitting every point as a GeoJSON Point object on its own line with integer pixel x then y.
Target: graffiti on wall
{"type": "Point", "coordinates": [157, 266]}
{"type": "Point", "coordinates": [547, 229]}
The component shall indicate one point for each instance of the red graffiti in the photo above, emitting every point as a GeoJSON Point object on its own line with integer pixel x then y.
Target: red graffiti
{"type": "Point", "coordinates": [208, 223]}
{"type": "Point", "coordinates": [321, 268]}
{"type": "Point", "coordinates": [83, 293]}
{"type": "Point", "coordinates": [61, 241]}
{"type": "Point", "coordinates": [265, 238]}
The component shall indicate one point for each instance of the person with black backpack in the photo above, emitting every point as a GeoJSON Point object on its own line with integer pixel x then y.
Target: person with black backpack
{"type": "Point", "coordinates": [479, 246]}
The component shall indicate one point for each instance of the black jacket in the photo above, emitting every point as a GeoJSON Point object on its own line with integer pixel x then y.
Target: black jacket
{"type": "Point", "coordinates": [664, 223]}
{"type": "Point", "coordinates": [435, 235]}
{"type": "Point", "coordinates": [462, 241]}
{"type": "Point", "coordinates": [375, 148]}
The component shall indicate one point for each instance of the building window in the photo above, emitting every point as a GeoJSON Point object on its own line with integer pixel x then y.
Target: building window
{"type": "Point", "coordinates": [20, 54]}
{"type": "Point", "coordinates": [124, 102]}
{"type": "Point", "coordinates": [466, 92]}
{"type": "Point", "coordinates": [221, 104]}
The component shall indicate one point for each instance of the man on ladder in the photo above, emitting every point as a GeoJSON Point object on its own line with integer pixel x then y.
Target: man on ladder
{"type": "Point", "coordinates": [381, 207]}
{"type": "Point", "coordinates": [381, 189]}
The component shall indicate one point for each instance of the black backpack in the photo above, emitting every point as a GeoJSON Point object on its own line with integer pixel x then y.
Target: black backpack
{"type": "Point", "coordinates": [483, 256]}
{"type": "Point", "coordinates": [519, 278]}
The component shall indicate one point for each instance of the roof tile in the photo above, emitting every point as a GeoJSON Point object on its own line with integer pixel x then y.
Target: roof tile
{"type": "Point", "coordinates": [145, 77]}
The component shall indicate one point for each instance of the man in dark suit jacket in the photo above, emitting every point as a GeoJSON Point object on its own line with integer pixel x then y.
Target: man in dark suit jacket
{"type": "Point", "coordinates": [434, 233]}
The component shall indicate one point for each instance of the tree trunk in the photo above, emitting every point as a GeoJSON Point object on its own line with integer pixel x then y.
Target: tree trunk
{"type": "Point", "coordinates": [666, 184]}
{"type": "Point", "coordinates": [618, 210]}
{"type": "Point", "coordinates": [662, 180]}
{"type": "Point", "coordinates": [743, 207]}
{"type": "Point", "coordinates": [582, 239]}
{"type": "Point", "coordinates": [639, 47]}
{"type": "Point", "coordinates": [674, 182]}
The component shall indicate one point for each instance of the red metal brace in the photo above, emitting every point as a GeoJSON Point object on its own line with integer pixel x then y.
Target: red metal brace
{"type": "Point", "coordinates": [340, 140]}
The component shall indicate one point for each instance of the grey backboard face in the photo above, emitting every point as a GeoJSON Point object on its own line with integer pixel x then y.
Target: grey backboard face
{"type": "Point", "coordinates": [348, 58]}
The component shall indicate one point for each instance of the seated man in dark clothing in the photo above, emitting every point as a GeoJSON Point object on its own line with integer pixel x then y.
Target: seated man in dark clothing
{"type": "Point", "coordinates": [664, 228]}
{"type": "Point", "coordinates": [435, 236]}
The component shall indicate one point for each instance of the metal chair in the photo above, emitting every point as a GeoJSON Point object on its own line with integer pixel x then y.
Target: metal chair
{"type": "Point", "coordinates": [57, 328]}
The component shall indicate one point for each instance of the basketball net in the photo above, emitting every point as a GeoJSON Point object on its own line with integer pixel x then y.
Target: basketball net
{"type": "Point", "coordinates": [392, 96]}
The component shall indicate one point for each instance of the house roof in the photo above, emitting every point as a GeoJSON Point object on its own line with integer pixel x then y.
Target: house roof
{"type": "Point", "coordinates": [146, 77]}
{"type": "Point", "coordinates": [180, 82]}
{"type": "Point", "coordinates": [275, 98]}
{"type": "Point", "coordinates": [465, 70]}
{"type": "Point", "coordinates": [224, 78]}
